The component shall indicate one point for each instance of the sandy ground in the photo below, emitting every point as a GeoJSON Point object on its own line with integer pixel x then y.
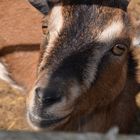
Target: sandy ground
{"type": "Point", "coordinates": [17, 18]}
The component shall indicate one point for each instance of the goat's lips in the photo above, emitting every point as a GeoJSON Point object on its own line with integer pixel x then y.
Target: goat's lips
{"type": "Point", "coordinates": [45, 123]}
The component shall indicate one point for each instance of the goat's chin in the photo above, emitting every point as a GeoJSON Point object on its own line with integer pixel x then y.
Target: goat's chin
{"type": "Point", "coordinates": [40, 124]}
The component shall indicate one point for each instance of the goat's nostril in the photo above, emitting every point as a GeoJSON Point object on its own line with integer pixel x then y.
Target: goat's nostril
{"type": "Point", "coordinates": [51, 100]}
{"type": "Point", "coordinates": [47, 97]}
{"type": "Point", "coordinates": [39, 93]}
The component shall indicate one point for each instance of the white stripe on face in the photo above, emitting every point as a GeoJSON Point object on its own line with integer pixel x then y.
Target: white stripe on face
{"type": "Point", "coordinates": [56, 23]}
{"type": "Point", "coordinates": [111, 32]}
{"type": "Point", "coordinates": [55, 26]}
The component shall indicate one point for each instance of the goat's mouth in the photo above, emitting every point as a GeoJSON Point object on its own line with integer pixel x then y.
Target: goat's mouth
{"type": "Point", "coordinates": [41, 123]}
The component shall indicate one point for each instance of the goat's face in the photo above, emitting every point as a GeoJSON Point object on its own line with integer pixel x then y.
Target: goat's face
{"type": "Point", "coordinates": [83, 64]}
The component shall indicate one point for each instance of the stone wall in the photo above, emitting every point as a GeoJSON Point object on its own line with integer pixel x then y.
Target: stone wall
{"type": "Point", "coordinates": [111, 135]}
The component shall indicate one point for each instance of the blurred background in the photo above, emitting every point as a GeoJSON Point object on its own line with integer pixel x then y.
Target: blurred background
{"type": "Point", "coordinates": [20, 23]}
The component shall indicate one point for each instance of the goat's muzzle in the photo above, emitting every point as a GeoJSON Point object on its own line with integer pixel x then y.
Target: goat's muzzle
{"type": "Point", "coordinates": [51, 104]}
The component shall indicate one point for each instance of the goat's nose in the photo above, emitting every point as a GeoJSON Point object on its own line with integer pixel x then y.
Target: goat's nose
{"type": "Point", "coordinates": [47, 96]}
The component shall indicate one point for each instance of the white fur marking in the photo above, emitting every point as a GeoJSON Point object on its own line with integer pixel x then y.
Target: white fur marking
{"type": "Point", "coordinates": [111, 32]}
{"type": "Point", "coordinates": [55, 27]}
{"type": "Point", "coordinates": [56, 23]}
{"type": "Point", "coordinates": [75, 91]}
{"type": "Point", "coordinates": [136, 41]}
{"type": "Point", "coordinates": [4, 75]}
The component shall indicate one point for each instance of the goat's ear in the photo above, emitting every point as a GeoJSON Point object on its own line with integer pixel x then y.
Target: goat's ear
{"type": "Point", "coordinates": [127, 2]}
{"type": "Point", "coordinates": [43, 5]}
{"type": "Point", "coordinates": [136, 37]}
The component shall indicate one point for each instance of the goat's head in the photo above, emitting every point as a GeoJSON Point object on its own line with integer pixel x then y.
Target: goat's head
{"type": "Point", "coordinates": [83, 63]}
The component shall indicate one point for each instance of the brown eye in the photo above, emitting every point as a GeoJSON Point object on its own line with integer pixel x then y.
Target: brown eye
{"type": "Point", "coordinates": [45, 25]}
{"type": "Point", "coordinates": [118, 49]}
{"type": "Point", "coordinates": [45, 28]}
{"type": "Point", "coordinates": [45, 31]}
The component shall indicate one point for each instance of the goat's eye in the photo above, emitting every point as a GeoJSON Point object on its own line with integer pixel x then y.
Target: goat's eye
{"type": "Point", "coordinates": [45, 29]}
{"type": "Point", "coordinates": [45, 25]}
{"type": "Point", "coordinates": [118, 49]}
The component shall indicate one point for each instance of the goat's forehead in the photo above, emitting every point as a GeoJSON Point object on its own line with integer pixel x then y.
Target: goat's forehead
{"type": "Point", "coordinates": [83, 24]}
{"type": "Point", "coordinates": [74, 29]}
{"type": "Point", "coordinates": [105, 22]}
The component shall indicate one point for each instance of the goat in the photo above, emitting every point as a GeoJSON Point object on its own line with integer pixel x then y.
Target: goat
{"type": "Point", "coordinates": [87, 76]}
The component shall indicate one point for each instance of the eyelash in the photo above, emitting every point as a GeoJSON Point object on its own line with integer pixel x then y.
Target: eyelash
{"type": "Point", "coordinates": [124, 41]}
